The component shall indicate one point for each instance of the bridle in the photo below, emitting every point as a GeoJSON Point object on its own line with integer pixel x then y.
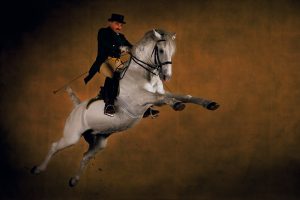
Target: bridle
{"type": "Point", "coordinates": [157, 63]}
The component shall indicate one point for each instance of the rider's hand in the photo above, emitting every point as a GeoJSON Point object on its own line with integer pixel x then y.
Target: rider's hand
{"type": "Point", "coordinates": [124, 49]}
{"type": "Point", "coordinates": [116, 53]}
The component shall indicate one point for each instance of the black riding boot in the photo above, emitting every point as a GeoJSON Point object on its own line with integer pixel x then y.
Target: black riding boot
{"type": "Point", "coordinates": [110, 93]}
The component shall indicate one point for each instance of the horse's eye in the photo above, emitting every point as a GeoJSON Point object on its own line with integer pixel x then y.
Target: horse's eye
{"type": "Point", "coordinates": [161, 51]}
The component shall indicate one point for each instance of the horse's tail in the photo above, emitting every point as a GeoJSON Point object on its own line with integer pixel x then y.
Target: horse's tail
{"type": "Point", "coordinates": [76, 101]}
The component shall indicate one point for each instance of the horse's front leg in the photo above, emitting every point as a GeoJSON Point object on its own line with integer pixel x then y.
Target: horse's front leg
{"type": "Point", "coordinates": [208, 104]}
{"type": "Point", "coordinates": [158, 99]}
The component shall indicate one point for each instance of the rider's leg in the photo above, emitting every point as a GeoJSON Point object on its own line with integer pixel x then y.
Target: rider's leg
{"type": "Point", "coordinates": [111, 88]}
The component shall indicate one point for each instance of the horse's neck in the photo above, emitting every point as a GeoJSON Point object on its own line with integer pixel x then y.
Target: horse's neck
{"type": "Point", "coordinates": [138, 83]}
{"type": "Point", "coordinates": [138, 75]}
{"type": "Point", "coordinates": [138, 79]}
{"type": "Point", "coordinates": [136, 89]}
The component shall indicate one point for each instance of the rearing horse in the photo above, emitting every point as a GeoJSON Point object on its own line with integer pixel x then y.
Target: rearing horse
{"type": "Point", "coordinates": [140, 88]}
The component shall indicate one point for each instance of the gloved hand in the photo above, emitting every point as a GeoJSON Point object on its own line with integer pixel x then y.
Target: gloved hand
{"type": "Point", "coordinates": [116, 53]}
{"type": "Point", "coordinates": [124, 49]}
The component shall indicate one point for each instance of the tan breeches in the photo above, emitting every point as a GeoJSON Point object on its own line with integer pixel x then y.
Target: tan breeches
{"type": "Point", "coordinates": [114, 64]}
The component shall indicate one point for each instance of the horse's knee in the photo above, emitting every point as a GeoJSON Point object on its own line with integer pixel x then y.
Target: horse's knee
{"type": "Point", "coordinates": [178, 106]}
{"type": "Point", "coordinates": [86, 158]}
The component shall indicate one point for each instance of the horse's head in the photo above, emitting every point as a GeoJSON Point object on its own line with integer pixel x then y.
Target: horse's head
{"type": "Point", "coordinates": [162, 53]}
{"type": "Point", "coordinates": [154, 53]}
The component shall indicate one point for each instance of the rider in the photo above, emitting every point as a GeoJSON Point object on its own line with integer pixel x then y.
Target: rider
{"type": "Point", "coordinates": [110, 43]}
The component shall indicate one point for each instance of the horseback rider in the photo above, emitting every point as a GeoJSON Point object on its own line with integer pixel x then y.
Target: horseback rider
{"type": "Point", "coordinates": [112, 47]}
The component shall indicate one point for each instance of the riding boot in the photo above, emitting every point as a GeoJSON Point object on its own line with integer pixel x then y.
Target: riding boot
{"type": "Point", "coordinates": [111, 90]}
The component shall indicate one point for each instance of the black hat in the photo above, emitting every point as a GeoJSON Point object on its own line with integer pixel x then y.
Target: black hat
{"type": "Point", "coordinates": [117, 18]}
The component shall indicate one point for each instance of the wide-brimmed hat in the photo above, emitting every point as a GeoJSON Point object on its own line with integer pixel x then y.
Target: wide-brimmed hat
{"type": "Point", "coordinates": [117, 18]}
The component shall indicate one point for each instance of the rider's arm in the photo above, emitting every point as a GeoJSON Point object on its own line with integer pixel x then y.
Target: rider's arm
{"type": "Point", "coordinates": [125, 41]}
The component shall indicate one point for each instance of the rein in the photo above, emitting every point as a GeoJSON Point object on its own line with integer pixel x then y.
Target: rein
{"type": "Point", "coordinates": [157, 63]}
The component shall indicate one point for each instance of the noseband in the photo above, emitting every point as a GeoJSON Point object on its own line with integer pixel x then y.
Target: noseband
{"type": "Point", "coordinates": [157, 63]}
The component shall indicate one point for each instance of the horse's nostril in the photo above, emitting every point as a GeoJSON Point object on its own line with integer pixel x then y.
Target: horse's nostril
{"type": "Point", "coordinates": [166, 78]}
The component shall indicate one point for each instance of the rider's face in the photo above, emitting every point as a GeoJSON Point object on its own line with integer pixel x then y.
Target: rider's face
{"type": "Point", "coordinates": [116, 26]}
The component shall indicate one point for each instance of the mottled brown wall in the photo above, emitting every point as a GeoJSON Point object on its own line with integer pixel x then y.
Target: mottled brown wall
{"type": "Point", "coordinates": [243, 54]}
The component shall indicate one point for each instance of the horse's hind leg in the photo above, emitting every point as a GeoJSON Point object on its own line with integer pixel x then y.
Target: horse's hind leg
{"type": "Point", "coordinates": [55, 147]}
{"type": "Point", "coordinates": [96, 143]}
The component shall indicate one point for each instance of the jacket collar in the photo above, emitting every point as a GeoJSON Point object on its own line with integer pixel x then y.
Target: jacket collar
{"type": "Point", "coordinates": [112, 31]}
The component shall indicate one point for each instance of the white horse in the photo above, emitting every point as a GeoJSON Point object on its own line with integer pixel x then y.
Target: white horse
{"type": "Point", "coordinates": [140, 88]}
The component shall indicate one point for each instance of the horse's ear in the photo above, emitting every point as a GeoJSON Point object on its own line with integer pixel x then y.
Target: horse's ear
{"type": "Point", "coordinates": [173, 36]}
{"type": "Point", "coordinates": [156, 34]}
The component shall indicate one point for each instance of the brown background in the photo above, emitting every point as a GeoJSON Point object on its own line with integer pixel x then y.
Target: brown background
{"type": "Point", "coordinates": [243, 54]}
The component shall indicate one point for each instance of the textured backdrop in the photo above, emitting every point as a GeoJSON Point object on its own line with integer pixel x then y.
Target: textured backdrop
{"type": "Point", "coordinates": [243, 54]}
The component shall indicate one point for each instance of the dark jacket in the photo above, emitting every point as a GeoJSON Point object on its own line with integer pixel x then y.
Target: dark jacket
{"type": "Point", "coordinates": [109, 43]}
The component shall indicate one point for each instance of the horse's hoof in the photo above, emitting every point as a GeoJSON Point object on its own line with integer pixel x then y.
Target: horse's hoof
{"type": "Point", "coordinates": [212, 106]}
{"type": "Point", "coordinates": [35, 170]}
{"type": "Point", "coordinates": [179, 106]}
{"type": "Point", "coordinates": [73, 182]}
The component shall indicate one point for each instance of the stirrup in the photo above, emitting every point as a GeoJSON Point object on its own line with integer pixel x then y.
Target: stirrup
{"type": "Point", "coordinates": [107, 113]}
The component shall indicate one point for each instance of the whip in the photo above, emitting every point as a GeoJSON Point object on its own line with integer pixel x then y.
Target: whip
{"type": "Point", "coordinates": [64, 86]}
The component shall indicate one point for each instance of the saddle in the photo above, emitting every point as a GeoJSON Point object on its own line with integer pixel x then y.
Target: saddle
{"type": "Point", "coordinates": [112, 64]}
{"type": "Point", "coordinates": [97, 98]}
{"type": "Point", "coordinates": [108, 68]}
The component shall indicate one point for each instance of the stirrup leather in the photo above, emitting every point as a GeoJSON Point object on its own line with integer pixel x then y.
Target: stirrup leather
{"type": "Point", "coordinates": [92, 100]}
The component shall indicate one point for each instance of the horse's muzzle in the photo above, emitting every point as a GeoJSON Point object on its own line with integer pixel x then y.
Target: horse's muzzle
{"type": "Point", "coordinates": [164, 77]}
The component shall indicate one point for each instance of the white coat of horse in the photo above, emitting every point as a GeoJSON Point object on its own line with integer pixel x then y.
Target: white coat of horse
{"type": "Point", "coordinates": [140, 88]}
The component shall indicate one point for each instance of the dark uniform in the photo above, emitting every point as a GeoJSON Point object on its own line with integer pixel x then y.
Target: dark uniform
{"type": "Point", "coordinates": [109, 43]}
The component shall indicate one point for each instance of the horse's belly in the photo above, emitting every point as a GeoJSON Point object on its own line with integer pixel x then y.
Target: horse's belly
{"type": "Point", "coordinates": [97, 121]}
